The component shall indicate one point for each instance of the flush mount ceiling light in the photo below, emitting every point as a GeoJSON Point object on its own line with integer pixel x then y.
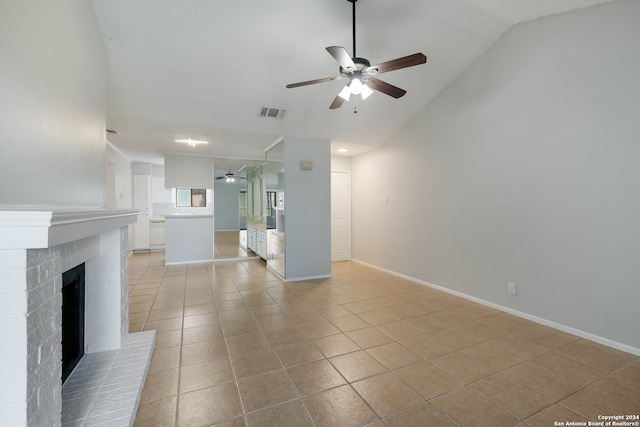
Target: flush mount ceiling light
{"type": "Point", "coordinates": [342, 150]}
{"type": "Point", "coordinates": [191, 142]}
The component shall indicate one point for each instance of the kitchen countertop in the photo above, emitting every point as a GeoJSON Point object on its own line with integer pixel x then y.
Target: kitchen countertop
{"type": "Point", "coordinates": [257, 224]}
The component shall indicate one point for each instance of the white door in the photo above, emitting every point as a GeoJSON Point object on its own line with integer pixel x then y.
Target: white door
{"type": "Point", "coordinates": [340, 216]}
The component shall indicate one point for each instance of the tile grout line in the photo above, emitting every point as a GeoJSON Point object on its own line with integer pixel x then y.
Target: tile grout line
{"type": "Point", "coordinates": [530, 357]}
{"type": "Point", "coordinates": [233, 370]}
{"type": "Point", "coordinates": [176, 421]}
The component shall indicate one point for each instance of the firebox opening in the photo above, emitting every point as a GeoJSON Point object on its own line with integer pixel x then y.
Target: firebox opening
{"type": "Point", "coordinates": [72, 319]}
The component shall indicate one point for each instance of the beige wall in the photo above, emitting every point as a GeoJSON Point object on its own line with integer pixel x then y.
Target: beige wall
{"type": "Point", "coordinates": [524, 170]}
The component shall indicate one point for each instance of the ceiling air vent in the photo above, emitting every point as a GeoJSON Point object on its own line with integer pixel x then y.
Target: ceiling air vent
{"type": "Point", "coordinates": [271, 113]}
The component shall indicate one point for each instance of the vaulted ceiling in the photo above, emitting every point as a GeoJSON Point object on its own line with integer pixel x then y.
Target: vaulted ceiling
{"type": "Point", "coordinates": [203, 69]}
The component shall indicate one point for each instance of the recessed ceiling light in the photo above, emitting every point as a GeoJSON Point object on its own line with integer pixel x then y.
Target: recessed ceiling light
{"type": "Point", "coordinates": [192, 142]}
{"type": "Point", "coordinates": [342, 150]}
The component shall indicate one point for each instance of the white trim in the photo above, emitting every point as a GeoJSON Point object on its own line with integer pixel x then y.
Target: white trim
{"type": "Point", "coordinates": [119, 151]}
{"type": "Point", "coordinates": [240, 258]}
{"type": "Point", "coordinates": [45, 227]}
{"type": "Point", "coordinates": [194, 261]}
{"type": "Point", "coordinates": [299, 279]}
{"type": "Point", "coordinates": [274, 143]}
{"type": "Point", "coordinates": [540, 320]}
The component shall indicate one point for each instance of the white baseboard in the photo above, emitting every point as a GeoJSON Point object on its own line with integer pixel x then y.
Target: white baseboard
{"type": "Point", "coordinates": [195, 261]}
{"type": "Point", "coordinates": [540, 320]}
{"type": "Point", "coordinates": [240, 258]}
{"type": "Point", "coordinates": [300, 279]}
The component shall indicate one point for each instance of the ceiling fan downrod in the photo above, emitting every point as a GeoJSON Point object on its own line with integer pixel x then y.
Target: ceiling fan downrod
{"type": "Point", "coordinates": [353, 26]}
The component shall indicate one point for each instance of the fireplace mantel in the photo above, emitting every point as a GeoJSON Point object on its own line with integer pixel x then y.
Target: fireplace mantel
{"type": "Point", "coordinates": [37, 227]}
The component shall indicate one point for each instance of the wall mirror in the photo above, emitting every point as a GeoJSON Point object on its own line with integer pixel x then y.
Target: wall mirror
{"type": "Point", "coordinates": [230, 208]}
{"type": "Point", "coordinates": [274, 207]}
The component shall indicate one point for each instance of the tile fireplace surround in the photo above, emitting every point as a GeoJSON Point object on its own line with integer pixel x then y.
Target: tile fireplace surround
{"type": "Point", "coordinates": [38, 244]}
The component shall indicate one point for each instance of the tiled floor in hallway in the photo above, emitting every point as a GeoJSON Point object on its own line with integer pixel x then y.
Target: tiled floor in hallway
{"type": "Point", "coordinates": [238, 347]}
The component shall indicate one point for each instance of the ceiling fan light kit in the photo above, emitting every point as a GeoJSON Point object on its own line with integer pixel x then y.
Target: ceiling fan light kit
{"type": "Point", "coordinates": [345, 93]}
{"type": "Point", "coordinates": [366, 92]}
{"type": "Point", "coordinates": [360, 72]}
{"type": "Point", "coordinates": [230, 177]}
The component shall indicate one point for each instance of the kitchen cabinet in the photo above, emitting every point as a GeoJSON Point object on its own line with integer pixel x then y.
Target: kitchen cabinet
{"type": "Point", "coordinates": [251, 238]}
{"type": "Point", "coordinates": [257, 240]}
{"type": "Point", "coordinates": [261, 243]}
{"type": "Point", "coordinates": [157, 235]}
{"type": "Point", "coordinates": [141, 202]}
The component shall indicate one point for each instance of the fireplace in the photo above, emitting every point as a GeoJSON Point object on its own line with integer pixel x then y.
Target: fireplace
{"type": "Point", "coordinates": [72, 319]}
{"type": "Point", "coordinates": [37, 246]}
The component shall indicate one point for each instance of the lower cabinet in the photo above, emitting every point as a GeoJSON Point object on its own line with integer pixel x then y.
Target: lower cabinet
{"type": "Point", "coordinates": [156, 236]}
{"type": "Point", "coordinates": [257, 241]}
{"type": "Point", "coordinates": [251, 239]}
{"type": "Point", "coordinates": [261, 237]}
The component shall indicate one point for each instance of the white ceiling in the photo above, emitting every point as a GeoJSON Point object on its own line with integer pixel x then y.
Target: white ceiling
{"type": "Point", "coordinates": [203, 68]}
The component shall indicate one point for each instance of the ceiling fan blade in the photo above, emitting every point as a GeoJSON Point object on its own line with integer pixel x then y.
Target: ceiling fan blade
{"type": "Point", "coordinates": [340, 54]}
{"type": "Point", "coordinates": [385, 87]}
{"type": "Point", "coordinates": [396, 64]}
{"type": "Point", "coordinates": [311, 82]}
{"type": "Point", "coordinates": [337, 102]}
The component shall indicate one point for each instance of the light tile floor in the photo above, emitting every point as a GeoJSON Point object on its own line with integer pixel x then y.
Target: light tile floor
{"type": "Point", "coordinates": [238, 347]}
{"type": "Point", "coordinates": [227, 244]}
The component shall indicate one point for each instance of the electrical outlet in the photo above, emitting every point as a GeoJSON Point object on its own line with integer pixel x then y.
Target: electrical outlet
{"type": "Point", "coordinates": [511, 288]}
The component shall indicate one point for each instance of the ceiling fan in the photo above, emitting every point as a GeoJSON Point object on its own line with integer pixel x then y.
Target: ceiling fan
{"type": "Point", "coordinates": [360, 72]}
{"type": "Point", "coordinates": [230, 177]}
